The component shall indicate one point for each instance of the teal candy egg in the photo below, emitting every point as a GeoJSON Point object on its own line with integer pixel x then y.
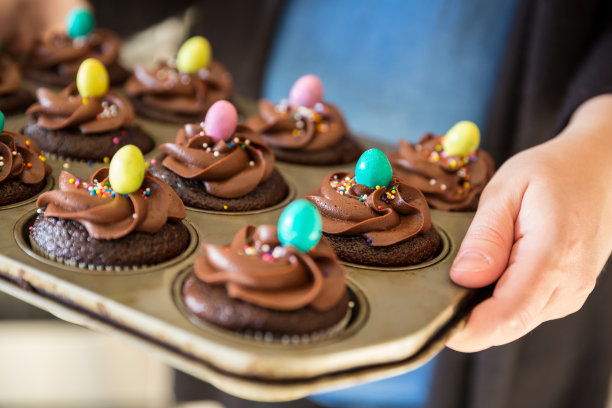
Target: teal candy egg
{"type": "Point", "coordinates": [373, 169]}
{"type": "Point", "coordinates": [79, 22]}
{"type": "Point", "coordinates": [300, 225]}
{"type": "Point", "coordinates": [1, 122]}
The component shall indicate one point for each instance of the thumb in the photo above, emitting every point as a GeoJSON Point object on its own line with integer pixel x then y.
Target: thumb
{"type": "Point", "coordinates": [485, 250]}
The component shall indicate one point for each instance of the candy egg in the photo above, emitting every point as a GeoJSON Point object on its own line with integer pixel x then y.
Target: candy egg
{"type": "Point", "coordinates": [194, 54]}
{"type": "Point", "coordinates": [221, 120]}
{"type": "Point", "coordinates": [300, 225]}
{"type": "Point", "coordinates": [1, 122]}
{"type": "Point", "coordinates": [306, 91]}
{"type": "Point", "coordinates": [79, 22]}
{"type": "Point", "coordinates": [462, 139]}
{"type": "Point", "coordinates": [373, 169]}
{"type": "Point", "coordinates": [92, 78]}
{"type": "Point", "coordinates": [127, 169]}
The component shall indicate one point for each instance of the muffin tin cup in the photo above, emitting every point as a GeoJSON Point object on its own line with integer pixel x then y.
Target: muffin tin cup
{"type": "Point", "coordinates": [400, 319]}
{"type": "Point", "coordinates": [355, 316]}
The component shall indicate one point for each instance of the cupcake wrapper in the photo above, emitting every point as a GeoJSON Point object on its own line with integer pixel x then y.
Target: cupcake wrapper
{"type": "Point", "coordinates": [82, 265]}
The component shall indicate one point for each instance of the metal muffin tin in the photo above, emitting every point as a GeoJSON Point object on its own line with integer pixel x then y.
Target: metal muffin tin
{"type": "Point", "coordinates": [401, 317]}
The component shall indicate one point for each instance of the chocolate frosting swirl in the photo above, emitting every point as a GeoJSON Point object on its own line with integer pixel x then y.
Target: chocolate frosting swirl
{"type": "Point", "coordinates": [110, 217]}
{"type": "Point", "coordinates": [164, 88]}
{"type": "Point", "coordinates": [67, 109]}
{"type": "Point", "coordinates": [227, 169]}
{"type": "Point", "coordinates": [258, 270]}
{"type": "Point", "coordinates": [384, 216]}
{"type": "Point", "coordinates": [299, 128]}
{"type": "Point", "coordinates": [10, 78]}
{"type": "Point", "coordinates": [21, 159]}
{"type": "Point", "coordinates": [447, 186]}
{"type": "Point", "coordinates": [58, 51]}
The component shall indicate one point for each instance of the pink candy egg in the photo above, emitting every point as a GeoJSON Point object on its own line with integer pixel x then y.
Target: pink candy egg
{"type": "Point", "coordinates": [306, 91]}
{"type": "Point", "coordinates": [221, 120]}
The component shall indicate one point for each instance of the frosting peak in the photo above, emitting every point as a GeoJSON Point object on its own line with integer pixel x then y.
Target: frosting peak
{"type": "Point", "coordinates": [167, 89]}
{"type": "Point", "coordinates": [258, 270]}
{"type": "Point", "coordinates": [58, 50]}
{"type": "Point", "coordinates": [227, 169]}
{"type": "Point", "coordinates": [20, 159]}
{"type": "Point", "coordinates": [91, 115]}
{"type": "Point", "coordinates": [106, 215]}
{"type": "Point", "coordinates": [298, 127]}
{"type": "Point", "coordinates": [448, 182]}
{"type": "Point", "coordinates": [383, 216]}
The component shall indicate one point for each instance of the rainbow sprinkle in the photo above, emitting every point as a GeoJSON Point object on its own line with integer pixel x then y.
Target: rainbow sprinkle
{"type": "Point", "coordinates": [109, 110]}
{"type": "Point", "coordinates": [266, 252]}
{"type": "Point", "coordinates": [102, 190]}
{"type": "Point", "coordinates": [95, 189]}
{"type": "Point", "coordinates": [342, 186]}
{"type": "Point", "coordinates": [462, 166]}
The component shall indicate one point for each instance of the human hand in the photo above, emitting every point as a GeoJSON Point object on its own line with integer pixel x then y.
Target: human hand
{"type": "Point", "coordinates": [544, 228]}
{"type": "Point", "coordinates": [23, 21]}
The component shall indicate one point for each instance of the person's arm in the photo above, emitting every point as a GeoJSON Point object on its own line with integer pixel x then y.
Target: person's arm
{"type": "Point", "coordinates": [544, 228]}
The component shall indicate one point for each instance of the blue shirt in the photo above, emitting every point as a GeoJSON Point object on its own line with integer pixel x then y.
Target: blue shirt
{"type": "Point", "coordinates": [397, 68]}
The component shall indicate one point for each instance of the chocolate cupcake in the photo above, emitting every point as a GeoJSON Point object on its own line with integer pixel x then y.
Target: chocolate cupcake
{"type": "Point", "coordinates": [258, 286]}
{"type": "Point", "coordinates": [98, 223]}
{"type": "Point", "coordinates": [89, 125]}
{"type": "Point", "coordinates": [304, 129]}
{"type": "Point", "coordinates": [182, 91]}
{"type": "Point", "coordinates": [56, 57]}
{"type": "Point", "coordinates": [450, 170]}
{"type": "Point", "coordinates": [372, 218]}
{"type": "Point", "coordinates": [219, 165]}
{"type": "Point", "coordinates": [13, 98]}
{"type": "Point", "coordinates": [23, 171]}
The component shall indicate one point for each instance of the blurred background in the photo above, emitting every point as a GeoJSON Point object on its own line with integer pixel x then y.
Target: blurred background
{"type": "Point", "coordinates": [47, 362]}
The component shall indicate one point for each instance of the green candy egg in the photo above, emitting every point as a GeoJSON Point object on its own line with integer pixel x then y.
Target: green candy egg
{"type": "Point", "coordinates": [79, 22]}
{"type": "Point", "coordinates": [92, 79]}
{"type": "Point", "coordinates": [1, 122]}
{"type": "Point", "coordinates": [127, 170]}
{"type": "Point", "coordinates": [194, 54]}
{"type": "Point", "coordinates": [462, 139]}
{"type": "Point", "coordinates": [300, 225]}
{"type": "Point", "coordinates": [373, 169]}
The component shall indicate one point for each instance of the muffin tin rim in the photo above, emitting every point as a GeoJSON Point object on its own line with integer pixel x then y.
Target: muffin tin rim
{"type": "Point", "coordinates": [357, 319]}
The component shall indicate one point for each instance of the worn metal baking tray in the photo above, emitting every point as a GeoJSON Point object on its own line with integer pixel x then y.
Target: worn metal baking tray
{"type": "Point", "coordinates": [400, 319]}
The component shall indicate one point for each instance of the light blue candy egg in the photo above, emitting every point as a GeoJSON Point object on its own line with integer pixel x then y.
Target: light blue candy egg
{"type": "Point", "coordinates": [373, 169]}
{"type": "Point", "coordinates": [300, 225]}
{"type": "Point", "coordinates": [79, 22]}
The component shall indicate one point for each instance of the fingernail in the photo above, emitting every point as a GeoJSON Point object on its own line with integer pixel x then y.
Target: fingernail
{"type": "Point", "coordinates": [470, 261]}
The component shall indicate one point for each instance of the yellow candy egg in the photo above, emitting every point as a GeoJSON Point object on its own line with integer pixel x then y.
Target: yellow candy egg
{"type": "Point", "coordinates": [462, 139]}
{"type": "Point", "coordinates": [127, 170]}
{"type": "Point", "coordinates": [92, 78]}
{"type": "Point", "coordinates": [194, 54]}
